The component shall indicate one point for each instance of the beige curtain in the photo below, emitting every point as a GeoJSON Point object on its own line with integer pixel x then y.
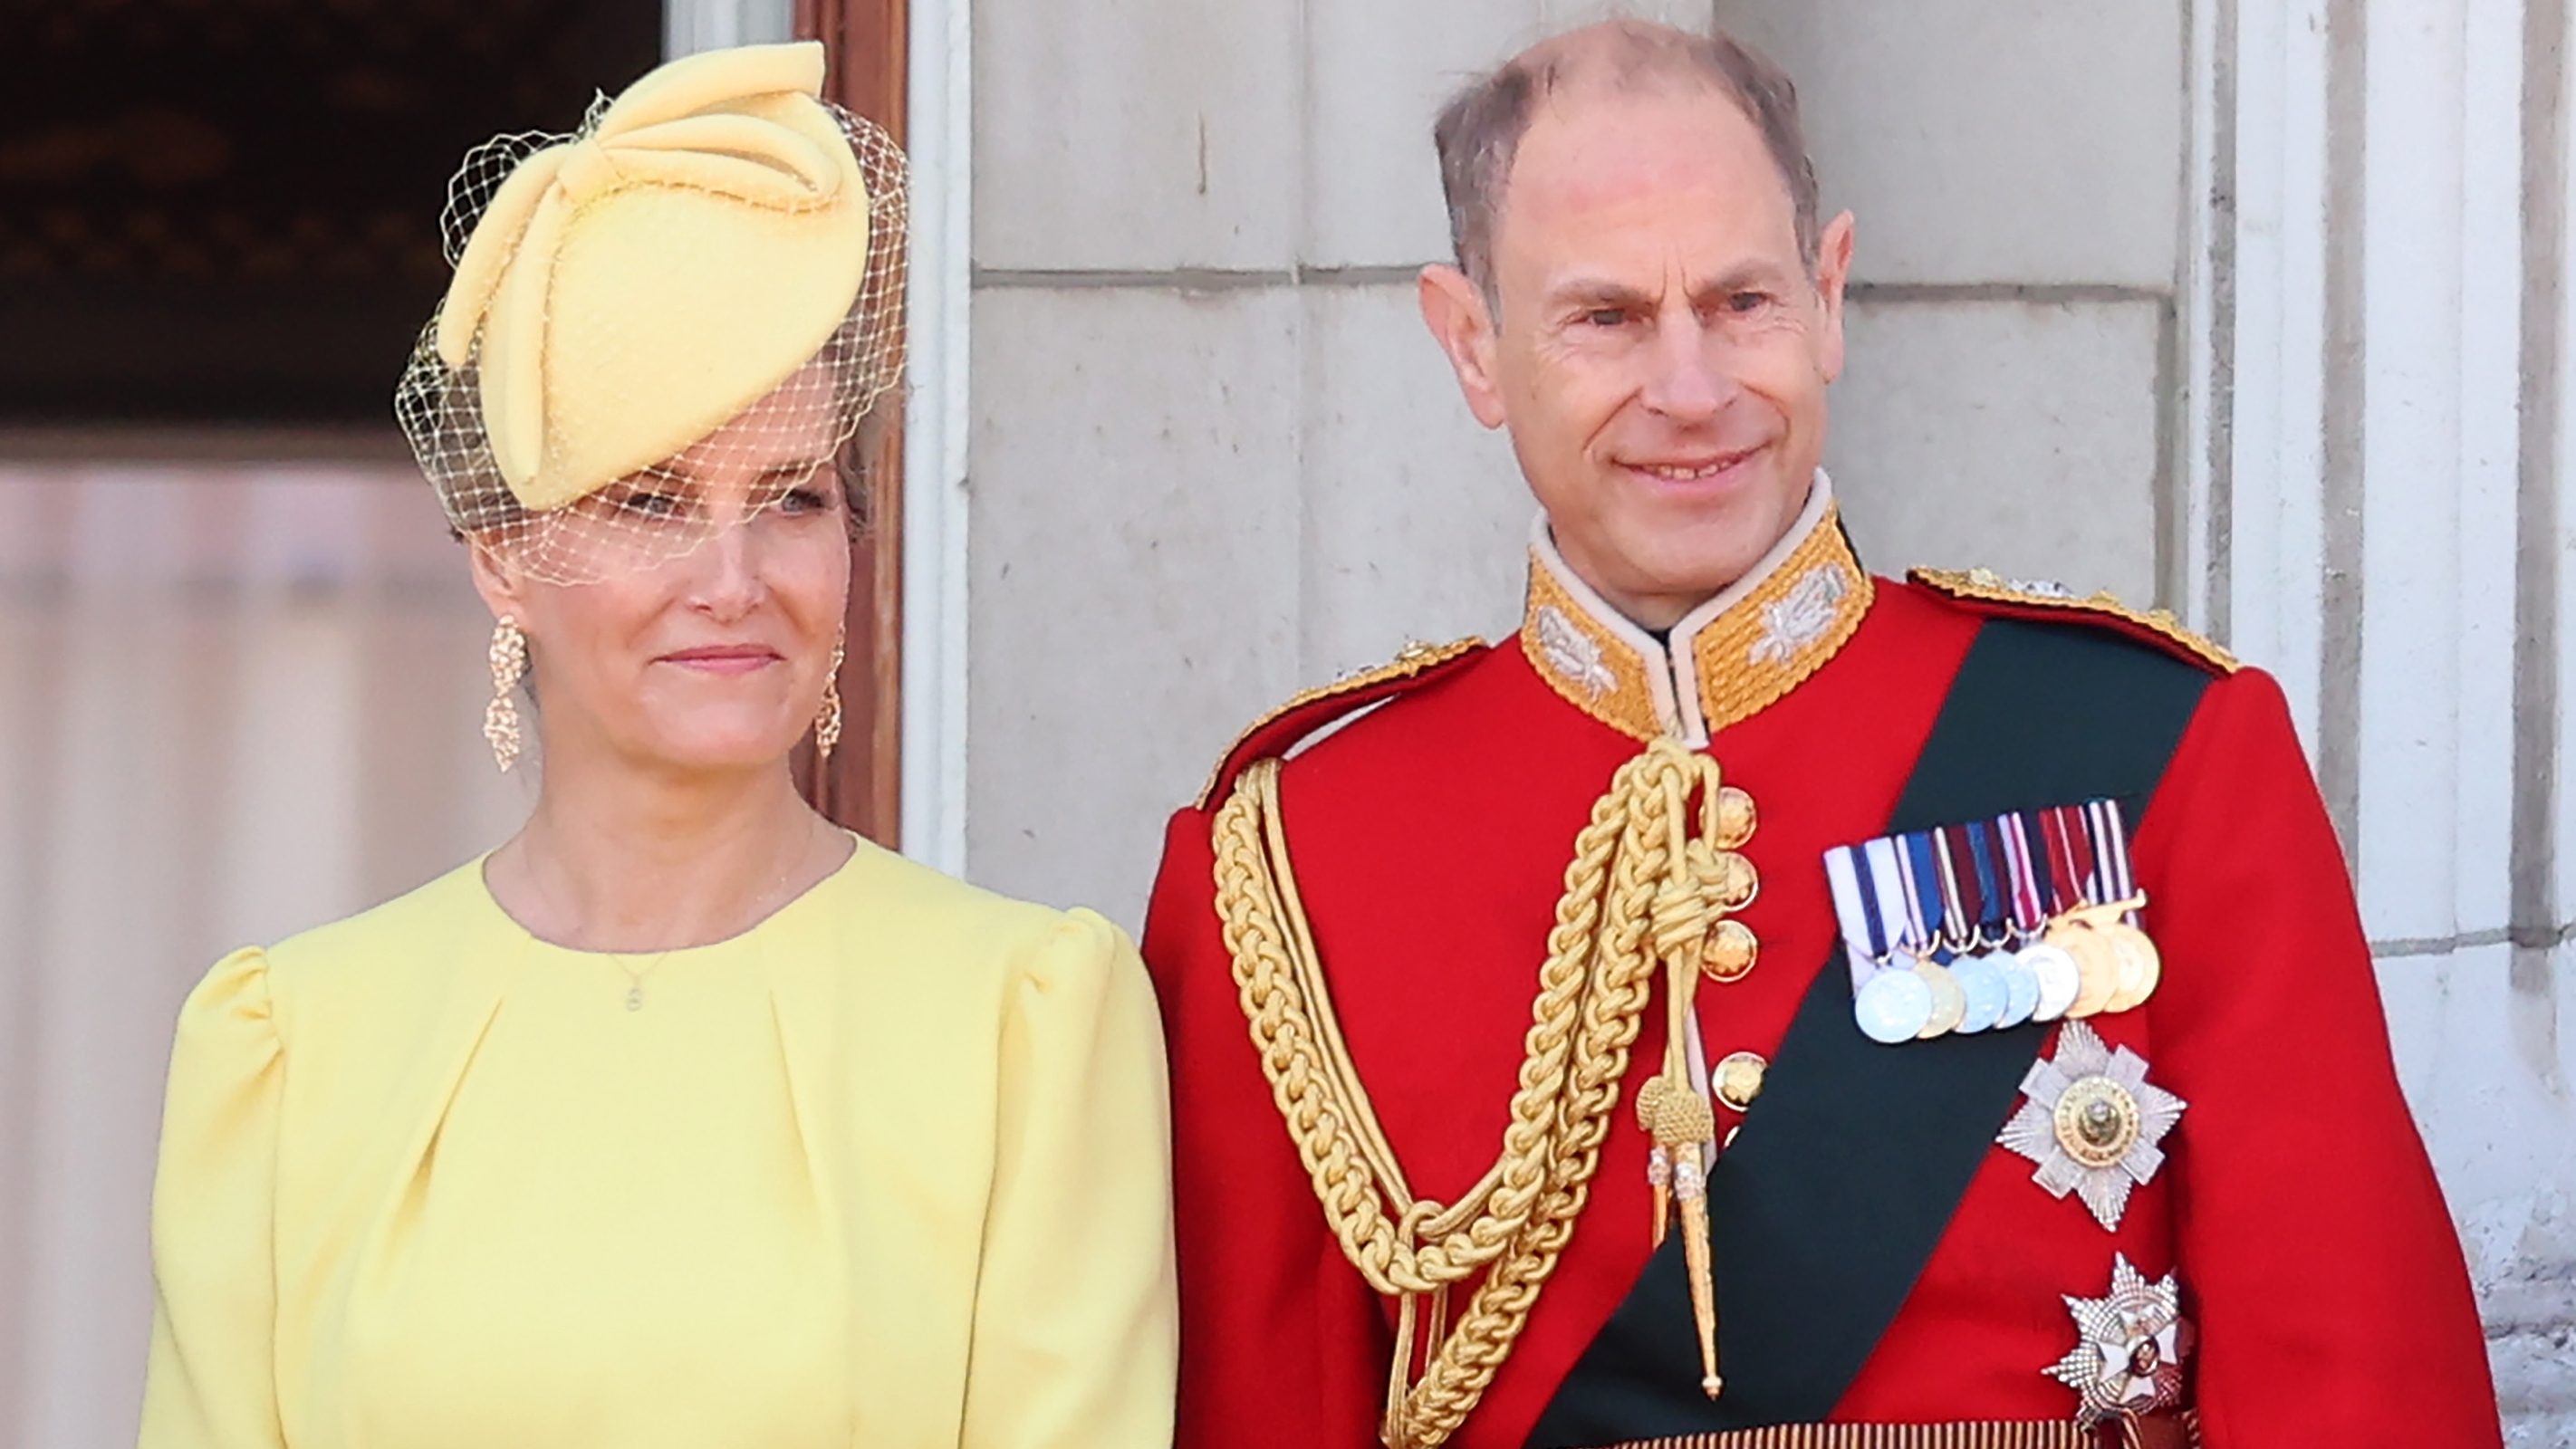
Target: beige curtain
{"type": "Point", "coordinates": [235, 702]}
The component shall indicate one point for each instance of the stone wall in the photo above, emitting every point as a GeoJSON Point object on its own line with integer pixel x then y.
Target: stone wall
{"type": "Point", "coordinates": [2015, 171]}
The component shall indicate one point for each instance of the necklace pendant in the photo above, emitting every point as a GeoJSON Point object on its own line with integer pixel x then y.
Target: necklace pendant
{"type": "Point", "coordinates": [635, 998]}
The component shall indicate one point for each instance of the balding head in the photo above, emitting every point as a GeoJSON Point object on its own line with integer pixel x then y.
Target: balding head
{"type": "Point", "coordinates": [1479, 132]}
{"type": "Point", "coordinates": [1652, 313]}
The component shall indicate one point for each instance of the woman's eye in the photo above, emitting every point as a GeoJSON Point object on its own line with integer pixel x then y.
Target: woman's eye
{"type": "Point", "coordinates": [805, 498]}
{"type": "Point", "coordinates": [648, 503]}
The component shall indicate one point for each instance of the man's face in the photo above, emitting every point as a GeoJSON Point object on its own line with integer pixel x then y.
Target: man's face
{"type": "Point", "coordinates": [1661, 352]}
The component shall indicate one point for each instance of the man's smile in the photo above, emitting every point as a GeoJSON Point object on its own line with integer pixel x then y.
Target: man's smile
{"type": "Point", "coordinates": [1692, 468]}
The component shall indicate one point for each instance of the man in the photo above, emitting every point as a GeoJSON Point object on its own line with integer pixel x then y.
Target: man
{"type": "Point", "coordinates": [1541, 1079]}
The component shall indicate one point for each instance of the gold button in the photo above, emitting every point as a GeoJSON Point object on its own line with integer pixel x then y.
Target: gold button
{"type": "Point", "coordinates": [1737, 882]}
{"type": "Point", "coordinates": [1736, 818]}
{"type": "Point", "coordinates": [1730, 951]}
{"type": "Point", "coordinates": [1738, 1079]}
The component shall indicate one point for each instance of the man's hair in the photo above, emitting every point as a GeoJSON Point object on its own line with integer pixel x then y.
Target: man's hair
{"type": "Point", "coordinates": [1479, 131]}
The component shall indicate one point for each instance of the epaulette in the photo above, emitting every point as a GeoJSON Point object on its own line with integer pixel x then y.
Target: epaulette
{"type": "Point", "coordinates": [1986, 592]}
{"type": "Point", "coordinates": [1280, 730]}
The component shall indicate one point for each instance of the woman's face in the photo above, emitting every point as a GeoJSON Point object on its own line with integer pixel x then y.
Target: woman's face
{"type": "Point", "coordinates": [714, 659]}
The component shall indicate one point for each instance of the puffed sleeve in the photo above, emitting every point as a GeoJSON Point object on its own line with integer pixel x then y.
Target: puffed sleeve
{"type": "Point", "coordinates": [1076, 1327]}
{"type": "Point", "coordinates": [212, 1383]}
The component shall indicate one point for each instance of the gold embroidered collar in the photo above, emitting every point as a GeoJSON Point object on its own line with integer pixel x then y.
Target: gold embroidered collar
{"type": "Point", "coordinates": [1728, 659]}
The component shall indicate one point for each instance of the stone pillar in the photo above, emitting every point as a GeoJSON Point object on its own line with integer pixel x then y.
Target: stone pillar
{"type": "Point", "coordinates": [2384, 526]}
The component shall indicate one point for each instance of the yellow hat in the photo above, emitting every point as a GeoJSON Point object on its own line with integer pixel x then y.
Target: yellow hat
{"type": "Point", "coordinates": [628, 292]}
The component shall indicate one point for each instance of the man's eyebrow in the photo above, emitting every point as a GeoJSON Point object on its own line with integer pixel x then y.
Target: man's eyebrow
{"type": "Point", "coordinates": [1597, 292]}
{"type": "Point", "coordinates": [1749, 275]}
{"type": "Point", "coordinates": [1581, 291]}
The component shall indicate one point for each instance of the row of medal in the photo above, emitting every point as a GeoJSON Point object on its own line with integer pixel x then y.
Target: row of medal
{"type": "Point", "coordinates": [2029, 916]}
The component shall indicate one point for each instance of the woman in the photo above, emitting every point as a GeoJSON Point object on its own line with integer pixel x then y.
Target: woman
{"type": "Point", "coordinates": [683, 1118]}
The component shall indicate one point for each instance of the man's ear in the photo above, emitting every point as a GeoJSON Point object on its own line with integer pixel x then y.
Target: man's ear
{"type": "Point", "coordinates": [1833, 273]}
{"type": "Point", "coordinates": [1454, 309]}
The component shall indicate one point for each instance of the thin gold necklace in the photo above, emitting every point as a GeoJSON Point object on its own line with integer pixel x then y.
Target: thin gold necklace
{"type": "Point", "coordinates": [635, 978]}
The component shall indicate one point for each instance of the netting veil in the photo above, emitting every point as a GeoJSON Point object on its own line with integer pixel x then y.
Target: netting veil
{"type": "Point", "coordinates": [663, 324]}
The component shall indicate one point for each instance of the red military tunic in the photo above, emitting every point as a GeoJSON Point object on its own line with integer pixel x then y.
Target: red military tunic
{"type": "Point", "coordinates": [1430, 837]}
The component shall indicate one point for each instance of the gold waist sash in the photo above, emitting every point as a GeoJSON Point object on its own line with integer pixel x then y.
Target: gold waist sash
{"type": "Point", "coordinates": [2158, 1431]}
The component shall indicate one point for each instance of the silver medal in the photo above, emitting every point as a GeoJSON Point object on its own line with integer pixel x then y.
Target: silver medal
{"type": "Point", "coordinates": [1987, 993]}
{"type": "Point", "coordinates": [1893, 1006]}
{"type": "Point", "coordinates": [2021, 985]}
{"type": "Point", "coordinates": [2060, 981]}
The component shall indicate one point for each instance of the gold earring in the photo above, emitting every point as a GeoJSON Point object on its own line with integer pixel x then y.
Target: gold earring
{"type": "Point", "coordinates": [509, 656]}
{"type": "Point", "coordinates": [827, 724]}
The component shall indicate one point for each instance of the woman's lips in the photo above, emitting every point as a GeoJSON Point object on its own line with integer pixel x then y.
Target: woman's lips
{"type": "Point", "coordinates": [724, 658]}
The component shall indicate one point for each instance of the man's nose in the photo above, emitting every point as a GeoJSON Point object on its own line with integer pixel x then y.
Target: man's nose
{"type": "Point", "coordinates": [1689, 382]}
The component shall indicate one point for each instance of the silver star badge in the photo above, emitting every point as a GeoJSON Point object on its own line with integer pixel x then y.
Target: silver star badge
{"type": "Point", "coordinates": [2127, 1361]}
{"type": "Point", "coordinates": [2092, 1122]}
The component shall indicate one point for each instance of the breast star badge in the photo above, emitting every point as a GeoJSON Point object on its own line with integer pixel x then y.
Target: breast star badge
{"type": "Point", "coordinates": [2092, 1122]}
{"type": "Point", "coordinates": [2128, 1361]}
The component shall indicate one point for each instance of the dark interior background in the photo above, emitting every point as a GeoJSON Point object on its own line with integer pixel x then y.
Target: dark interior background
{"type": "Point", "coordinates": [226, 211]}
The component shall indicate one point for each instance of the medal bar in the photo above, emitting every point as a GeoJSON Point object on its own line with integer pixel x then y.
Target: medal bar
{"type": "Point", "coordinates": [1985, 925]}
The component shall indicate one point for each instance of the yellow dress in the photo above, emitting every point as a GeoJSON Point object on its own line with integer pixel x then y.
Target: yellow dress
{"type": "Point", "coordinates": [890, 1169]}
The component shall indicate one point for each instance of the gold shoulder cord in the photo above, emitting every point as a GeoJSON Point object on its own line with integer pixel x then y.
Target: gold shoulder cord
{"type": "Point", "coordinates": [1651, 881]}
{"type": "Point", "coordinates": [1987, 586]}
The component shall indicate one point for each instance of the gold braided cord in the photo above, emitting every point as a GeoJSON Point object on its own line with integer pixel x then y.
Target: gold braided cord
{"type": "Point", "coordinates": [1639, 866]}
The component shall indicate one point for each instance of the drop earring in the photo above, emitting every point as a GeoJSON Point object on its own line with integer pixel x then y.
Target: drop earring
{"type": "Point", "coordinates": [827, 723]}
{"type": "Point", "coordinates": [509, 656]}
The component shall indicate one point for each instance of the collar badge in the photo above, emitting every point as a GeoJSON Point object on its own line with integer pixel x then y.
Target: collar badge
{"type": "Point", "coordinates": [1573, 653]}
{"type": "Point", "coordinates": [1806, 614]}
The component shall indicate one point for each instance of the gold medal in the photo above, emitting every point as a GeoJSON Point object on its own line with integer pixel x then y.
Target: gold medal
{"type": "Point", "coordinates": [2140, 967]}
{"type": "Point", "coordinates": [1949, 1003]}
{"type": "Point", "coordinates": [2136, 967]}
